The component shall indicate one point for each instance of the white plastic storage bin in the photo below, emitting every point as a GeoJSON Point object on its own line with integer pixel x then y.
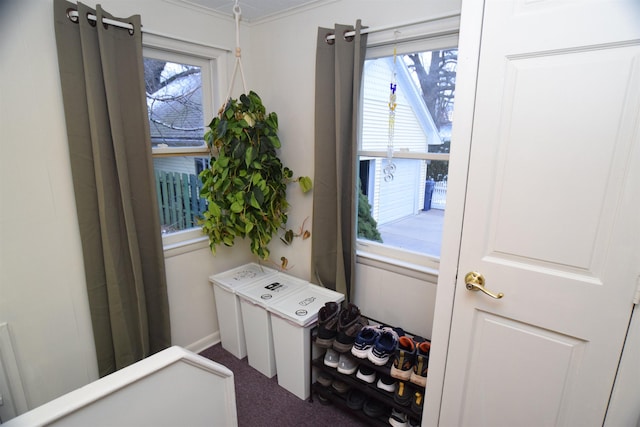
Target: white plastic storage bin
{"type": "Point", "coordinates": [292, 319]}
{"type": "Point", "coordinates": [254, 301]}
{"type": "Point", "coordinates": [225, 285]}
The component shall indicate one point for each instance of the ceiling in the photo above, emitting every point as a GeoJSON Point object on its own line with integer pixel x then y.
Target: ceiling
{"type": "Point", "coordinates": [252, 10]}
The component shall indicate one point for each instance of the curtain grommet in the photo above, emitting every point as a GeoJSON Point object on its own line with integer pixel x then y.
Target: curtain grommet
{"type": "Point", "coordinates": [329, 41]}
{"type": "Point", "coordinates": [346, 37]}
{"type": "Point", "coordinates": [72, 14]}
{"type": "Point", "coordinates": [90, 21]}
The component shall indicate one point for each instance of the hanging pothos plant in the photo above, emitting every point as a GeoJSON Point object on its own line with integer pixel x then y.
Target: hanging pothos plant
{"type": "Point", "coordinates": [246, 183]}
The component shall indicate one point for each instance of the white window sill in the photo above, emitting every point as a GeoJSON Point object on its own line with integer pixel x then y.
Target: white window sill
{"type": "Point", "coordinates": [183, 242]}
{"type": "Point", "coordinates": [405, 268]}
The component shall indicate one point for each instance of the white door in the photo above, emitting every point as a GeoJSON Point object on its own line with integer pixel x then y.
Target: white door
{"type": "Point", "coordinates": [551, 216]}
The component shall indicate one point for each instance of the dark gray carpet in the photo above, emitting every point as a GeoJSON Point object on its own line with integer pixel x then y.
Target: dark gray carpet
{"type": "Point", "coordinates": [261, 402]}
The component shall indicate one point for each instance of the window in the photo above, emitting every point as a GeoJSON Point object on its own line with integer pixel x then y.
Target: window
{"type": "Point", "coordinates": [179, 82]}
{"type": "Point", "coordinates": [404, 153]}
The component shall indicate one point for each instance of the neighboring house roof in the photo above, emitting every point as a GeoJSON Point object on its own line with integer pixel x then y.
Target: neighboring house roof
{"type": "Point", "coordinates": [175, 113]}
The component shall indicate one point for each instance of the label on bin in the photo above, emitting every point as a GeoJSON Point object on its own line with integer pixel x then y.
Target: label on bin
{"type": "Point", "coordinates": [270, 289]}
{"type": "Point", "coordinates": [243, 275]}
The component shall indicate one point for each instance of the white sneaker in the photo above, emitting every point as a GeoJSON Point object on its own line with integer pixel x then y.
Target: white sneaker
{"type": "Point", "coordinates": [366, 374]}
{"type": "Point", "coordinates": [331, 358]}
{"type": "Point", "coordinates": [346, 364]}
{"type": "Point", "coordinates": [398, 419]}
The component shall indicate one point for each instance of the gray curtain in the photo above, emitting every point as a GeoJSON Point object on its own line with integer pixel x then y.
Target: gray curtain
{"type": "Point", "coordinates": [339, 66]}
{"type": "Point", "coordinates": [102, 79]}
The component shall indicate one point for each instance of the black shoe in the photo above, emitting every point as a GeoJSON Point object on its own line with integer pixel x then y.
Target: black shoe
{"type": "Point", "coordinates": [327, 324]}
{"type": "Point", "coordinates": [355, 399]}
{"type": "Point", "coordinates": [417, 402]}
{"type": "Point", "coordinates": [375, 409]}
{"type": "Point", "coordinates": [403, 394]}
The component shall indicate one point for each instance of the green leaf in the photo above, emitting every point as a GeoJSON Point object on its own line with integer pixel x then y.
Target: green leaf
{"type": "Point", "coordinates": [245, 100]}
{"type": "Point", "coordinates": [272, 121]}
{"type": "Point", "coordinates": [214, 209]}
{"type": "Point", "coordinates": [274, 140]}
{"type": "Point", "coordinates": [236, 207]}
{"type": "Point", "coordinates": [258, 195]}
{"type": "Point", "coordinates": [249, 156]}
{"type": "Point", "coordinates": [221, 129]}
{"type": "Point", "coordinates": [254, 201]}
{"type": "Point", "coordinates": [223, 161]}
{"type": "Point", "coordinates": [305, 184]}
{"type": "Point", "coordinates": [239, 150]}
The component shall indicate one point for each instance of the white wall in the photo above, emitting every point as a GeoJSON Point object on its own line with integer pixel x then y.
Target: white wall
{"type": "Point", "coordinates": [283, 50]}
{"type": "Point", "coordinates": [42, 287]}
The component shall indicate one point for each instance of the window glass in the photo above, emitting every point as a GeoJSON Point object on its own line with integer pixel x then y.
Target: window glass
{"type": "Point", "coordinates": [407, 107]}
{"type": "Point", "coordinates": [176, 121]}
{"type": "Point", "coordinates": [174, 101]}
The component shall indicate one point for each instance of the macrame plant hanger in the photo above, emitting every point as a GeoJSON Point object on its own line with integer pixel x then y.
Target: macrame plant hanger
{"type": "Point", "coordinates": [238, 64]}
{"type": "Point", "coordinates": [390, 167]}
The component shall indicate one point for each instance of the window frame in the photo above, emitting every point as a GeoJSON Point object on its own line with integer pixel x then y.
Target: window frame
{"type": "Point", "coordinates": [213, 63]}
{"type": "Point", "coordinates": [437, 34]}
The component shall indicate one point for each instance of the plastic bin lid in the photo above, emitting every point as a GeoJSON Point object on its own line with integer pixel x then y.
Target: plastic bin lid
{"type": "Point", "coordinates": [241, 276]}
{"type": "Point", "coordinates": [302, 306]}
{"type": "Point", "coordinates": [268, 290]}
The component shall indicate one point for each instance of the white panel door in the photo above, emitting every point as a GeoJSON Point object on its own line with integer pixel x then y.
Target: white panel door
{"type": "Point", "coordinates": [552, 215]}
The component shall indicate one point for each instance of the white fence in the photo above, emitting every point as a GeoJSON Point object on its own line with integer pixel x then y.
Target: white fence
{"type": "Point", "coordinates": [439, 197]}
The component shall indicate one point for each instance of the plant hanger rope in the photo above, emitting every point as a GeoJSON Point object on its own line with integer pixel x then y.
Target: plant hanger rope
{"type": "Point", "coordinates": [238, 64]}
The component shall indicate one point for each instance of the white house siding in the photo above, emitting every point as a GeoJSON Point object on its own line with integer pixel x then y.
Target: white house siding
{"type": "Point", "coordinates": [404, 195]}
{"type": "Point", "coordinates": [176, 164]}
{"type": "Point", "coordinates": [398, 197]}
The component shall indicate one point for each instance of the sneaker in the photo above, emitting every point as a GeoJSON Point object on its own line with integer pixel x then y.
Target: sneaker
{"type": "Point", "coordinates": [350, 322]}
{"type": "Point", "coordinates": [340, 386]}
{"type": "Point", "coordinates": [386, 383]}
{"type": "Point", "coordinates": [421, 365]}
{"type": "Point", "coordinates": [402, 395]}
{"type": "Point", "coordinates": [366, 374]}
{"type": "Point", "coordinates": [398, 419]}
{"type": "Point", "coordinates": [331, 358]}
{"type": "Point", "coordinates": [403, 360]}
{"type": "Point", "coordinates": [324, 379]}
{"type": "Point", "coordinates": [374, 408]}
{"type": "Point", "coordinates": [327, 324]}
{"type": "Point", "coordinates": [323, 400]}
{"type": "Point", "coordinates": [364, 341]}
{"type": "Point", "coordinates": [356, 399]}
{"type": "Point", "coordinates": [417, 402]}
{"type": "Point", "coordinates": [384, 346]}
{"type": "Point", "coordinates": [346, 364]}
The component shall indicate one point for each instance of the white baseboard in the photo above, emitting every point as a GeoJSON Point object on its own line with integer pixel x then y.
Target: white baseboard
{"type": "Point", "coordinates": [204, 343]}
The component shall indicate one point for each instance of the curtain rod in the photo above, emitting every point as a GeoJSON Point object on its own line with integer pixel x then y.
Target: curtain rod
{"type": "Point", "coordinates": [393, 27]}
{"type": "Point", "coordinates": [74, 16]}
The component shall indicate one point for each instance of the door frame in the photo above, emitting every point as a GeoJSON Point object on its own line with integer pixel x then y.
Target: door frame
{"type": "Point", "coordinates": [467, 72]}
{"type": "Point", "coordinates": [628, 375]}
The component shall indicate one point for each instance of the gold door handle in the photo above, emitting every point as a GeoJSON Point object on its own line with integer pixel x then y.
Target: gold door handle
{"type": "Point", "coordinates": [475, 282]}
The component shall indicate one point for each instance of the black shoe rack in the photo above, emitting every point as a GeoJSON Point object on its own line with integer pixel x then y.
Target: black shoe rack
{"type": "Point", "coordinates": [328, 393]}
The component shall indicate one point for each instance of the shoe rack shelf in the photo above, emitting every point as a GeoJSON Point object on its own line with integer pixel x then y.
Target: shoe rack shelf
{"type": "Point", "coordinates": [340, 401]}
{"type": "Point", "coordinates": [370, 390]}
